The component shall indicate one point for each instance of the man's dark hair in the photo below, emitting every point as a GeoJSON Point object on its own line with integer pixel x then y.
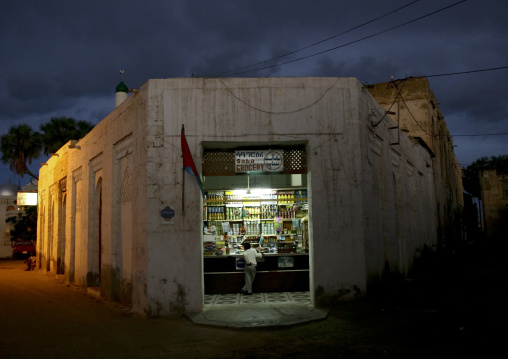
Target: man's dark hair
{"type": "Point", "coordinates": [246, 245]}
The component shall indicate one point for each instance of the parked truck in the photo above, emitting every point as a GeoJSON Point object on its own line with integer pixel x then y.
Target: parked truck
{"type": "Point", "coordinates": [22, 249]}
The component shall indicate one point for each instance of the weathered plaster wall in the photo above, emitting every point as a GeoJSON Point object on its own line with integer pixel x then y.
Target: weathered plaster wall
{"type": "Point", "coordinates": [415, 109]}
{"type": "Point", "coordinates": [371, 204]}
{"type": "Point", "coordinates": [332, 116]}
{"type": "Point", "coordinates": [89, 170]}
{"type": "Point", "coordinates": [51, 221]}
{"type": "Point", "coordinates": [400, 214]}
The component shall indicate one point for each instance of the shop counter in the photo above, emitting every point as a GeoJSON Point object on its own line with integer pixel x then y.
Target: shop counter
{"type": "Point", "coordinates": [275, 272]}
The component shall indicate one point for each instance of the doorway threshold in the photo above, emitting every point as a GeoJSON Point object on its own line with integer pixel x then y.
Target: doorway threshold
{"type": "Point", "coordinates": [213, 300]}
{"type": "Point", "coordinates": [259, 310]}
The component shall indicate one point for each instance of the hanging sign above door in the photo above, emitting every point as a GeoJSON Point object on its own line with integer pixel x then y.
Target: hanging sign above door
{"type": "Point", "coordinates": [259, 161]}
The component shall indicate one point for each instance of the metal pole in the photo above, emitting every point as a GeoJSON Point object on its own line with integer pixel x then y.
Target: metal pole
{"type": "Point", "coordinates": [183, 178]}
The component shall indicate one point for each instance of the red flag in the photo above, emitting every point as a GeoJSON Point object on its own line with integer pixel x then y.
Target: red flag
{"type": "Point", "coordinates": [188, 162]}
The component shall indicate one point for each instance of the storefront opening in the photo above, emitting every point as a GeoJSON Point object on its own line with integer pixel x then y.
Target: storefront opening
{"type": "Point", "coordinates": [268, 210]}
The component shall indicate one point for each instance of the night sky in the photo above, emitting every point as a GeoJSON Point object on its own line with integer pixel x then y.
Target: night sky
{"type": "Point", "coordinates": [62, 58]}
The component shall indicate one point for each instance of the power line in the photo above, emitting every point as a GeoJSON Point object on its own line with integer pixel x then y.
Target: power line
{"type": "Point", "coordinates": [353, 42]}
{"type": "Point", "coordinates": [474, 135]}
{"type": "Point", "coordinates": [318, 42]}
{"type": "Point", "coordinates": [468, 72]}
{"type": "Point", "coordinates": [281, 112]}
{"type": "Point", "coordinates": [481, 134]}
{"type": "Point", "coordinates": [399, 91]}
{"type": "Point", "coordinates": [408, 110]}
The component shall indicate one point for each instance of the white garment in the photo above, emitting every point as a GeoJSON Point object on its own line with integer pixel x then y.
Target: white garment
{"type": "Point", "coordinates": [250, 274]}
{"type": "Point", "coordinates": [250, 256]}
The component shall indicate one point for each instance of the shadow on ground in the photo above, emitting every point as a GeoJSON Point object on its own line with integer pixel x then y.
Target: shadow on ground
{"type": "Point", "coordinates": [452, 306]}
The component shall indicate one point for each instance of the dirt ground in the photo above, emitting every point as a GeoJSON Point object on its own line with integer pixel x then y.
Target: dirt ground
{"type": "Point", "coordinates": [452, 307]}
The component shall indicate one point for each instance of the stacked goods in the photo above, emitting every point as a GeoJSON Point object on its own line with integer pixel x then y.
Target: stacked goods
{"type": "Point", "coordinates": [209, 248]}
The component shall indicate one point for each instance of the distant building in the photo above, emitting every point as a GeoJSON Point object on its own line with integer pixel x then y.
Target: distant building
{"type": "Point", "coordinates": [9, 208]}
{"type": "Point", "coordinates": [494, 196]}
{"type": "Point", "coordinates": [351, 194]}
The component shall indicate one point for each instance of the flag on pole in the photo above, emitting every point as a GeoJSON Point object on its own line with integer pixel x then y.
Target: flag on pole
{"type": "Point", "coordinates": [188, 162]}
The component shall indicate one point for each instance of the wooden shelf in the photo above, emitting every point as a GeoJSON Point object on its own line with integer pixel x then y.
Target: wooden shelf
{"type": "Point", "coordinates": [214, 202]}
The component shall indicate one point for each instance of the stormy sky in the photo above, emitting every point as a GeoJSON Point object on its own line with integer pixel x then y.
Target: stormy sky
{"type": "Point", "coordinates": [62, 58]}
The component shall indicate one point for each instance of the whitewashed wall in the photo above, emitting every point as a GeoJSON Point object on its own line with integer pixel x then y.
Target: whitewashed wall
{"type": "Point", "coordinates": [363, 192]}
{"type": "Point", "coordinates": [360, 220]}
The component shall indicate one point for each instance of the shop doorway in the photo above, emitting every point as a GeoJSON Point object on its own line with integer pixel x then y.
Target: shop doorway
{"type": "Point", "coordinates": [268, 210]}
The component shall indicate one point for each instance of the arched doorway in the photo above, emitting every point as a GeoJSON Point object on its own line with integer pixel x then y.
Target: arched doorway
{"type": "Point", "coordinates": [95, 244]}
{"type": "Point", "coordinates": [51, 230]}
{"type": "Point", "coordinates": [60, 255]}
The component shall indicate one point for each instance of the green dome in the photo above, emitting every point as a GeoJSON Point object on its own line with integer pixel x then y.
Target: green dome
{"type": "Point", "coordinates": [122, 87]}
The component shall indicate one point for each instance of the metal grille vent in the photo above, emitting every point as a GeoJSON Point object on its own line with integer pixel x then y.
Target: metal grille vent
{"type": "Point", "coordinates": [219, 163]}
{"type": "Point", "coordinates": [222, 162]}
{"type": "Point", "coordinates": [295, 161]}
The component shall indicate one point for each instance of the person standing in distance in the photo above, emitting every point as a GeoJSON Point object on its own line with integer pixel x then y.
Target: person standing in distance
{"type": "Point", "coordinates": [250, 255]}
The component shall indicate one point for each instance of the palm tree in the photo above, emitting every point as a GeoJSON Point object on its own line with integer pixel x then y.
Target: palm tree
{"type": "Point", "coordinates": [499, 163]}
{"type": "Point", "coordinates": [82, 128]}
{"type": "Point", "coordinates": [59, 130]}
{"type": "Point", "coordinates": [19, 146]}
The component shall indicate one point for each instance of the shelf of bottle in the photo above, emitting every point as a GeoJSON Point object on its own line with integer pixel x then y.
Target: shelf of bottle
{"type": "Point", "coordinates": [237, 220]}
{"type": "Point", "coordinates": [247, 219]}
{"type": "Point", "coordinates": [258, 236]}
{"type": "Point", "coordinates": [285, 201]}
{"type": "Point", "coordinates": [262, 235]}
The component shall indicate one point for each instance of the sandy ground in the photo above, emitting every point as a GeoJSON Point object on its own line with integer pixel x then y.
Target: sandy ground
{"type": "Point", "coordinates": [452, 312]}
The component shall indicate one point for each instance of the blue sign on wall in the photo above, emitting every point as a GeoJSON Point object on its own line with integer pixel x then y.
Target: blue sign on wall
{"type": "Point", "coordinates": [167, 213]}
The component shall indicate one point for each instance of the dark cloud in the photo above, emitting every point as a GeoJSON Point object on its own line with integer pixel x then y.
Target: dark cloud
{"type": "Point", "coordinates": [462, 94]}
{"type": "Point", "coordinates": [62, 58]}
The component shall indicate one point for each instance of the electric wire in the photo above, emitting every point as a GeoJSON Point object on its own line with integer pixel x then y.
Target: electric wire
{"type": "Point", "coordinates": [481, 134]}
{"type": "Point", "coordinates": [408, 110]}
{"type": "Point", "coordinates": [467, 72]}
{"type": "Point", "coordinates": [315, 43]}
{"type": "Point", "coordinates": [352, 42]}
{"type": "Point", "coordinates": [448, 74]}
{"type": "Point", "coordinates": [281, 112]}
{"type": "Point", "coordinates": [393, 103]}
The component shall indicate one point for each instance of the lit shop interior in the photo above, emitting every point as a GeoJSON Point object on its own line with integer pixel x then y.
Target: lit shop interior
{"type": "Point", "coordinates": [267, 209]}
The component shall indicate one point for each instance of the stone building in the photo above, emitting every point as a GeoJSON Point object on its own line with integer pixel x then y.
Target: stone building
{"type": "Point", "coordinates": [415, 110]}
{"type": "Point", "coordinates": [494, 194]}
{"type": "Point", "coordinates": [8, 208]}
{"type": "Point", "coordinates": [118, 213]}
